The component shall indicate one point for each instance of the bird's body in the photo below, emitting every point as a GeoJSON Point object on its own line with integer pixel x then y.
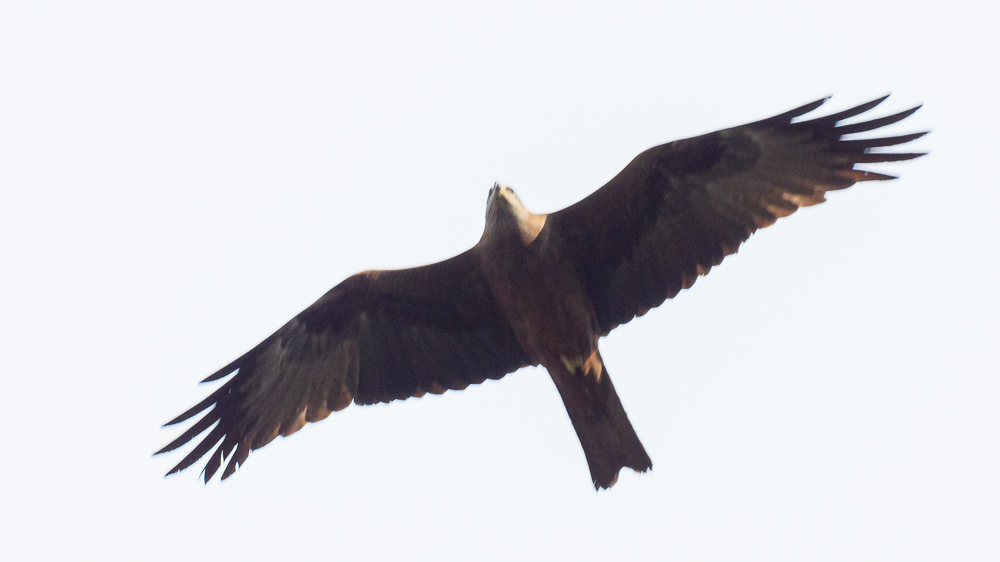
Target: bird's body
{"type": "Point", "coordinates": [552, 317]}
{"type": "Point", "coordinates": [535, 285]}
{"type": "Point", "coordinates": [538, 290]}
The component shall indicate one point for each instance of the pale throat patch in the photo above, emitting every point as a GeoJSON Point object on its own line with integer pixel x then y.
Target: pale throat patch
{"type": "Point", "coordinates": [530, 227]}
{"type": "Point", "coordinates": [529, 223]}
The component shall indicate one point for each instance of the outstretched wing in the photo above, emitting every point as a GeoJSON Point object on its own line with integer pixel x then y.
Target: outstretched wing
{"type": "Point", "coordinates": [378, 336]}
{"type": "Point", "coordinates": [679, 208]}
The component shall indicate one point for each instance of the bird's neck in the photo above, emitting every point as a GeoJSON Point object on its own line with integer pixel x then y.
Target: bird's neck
{"type": "Point", "coordinates": [513, 223]}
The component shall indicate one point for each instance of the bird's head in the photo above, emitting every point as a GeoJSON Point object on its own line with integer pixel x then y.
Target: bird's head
{"type": "Point", "coordinates": [503, 198]}
{"type": "Point", "coordinates": [504, 211]}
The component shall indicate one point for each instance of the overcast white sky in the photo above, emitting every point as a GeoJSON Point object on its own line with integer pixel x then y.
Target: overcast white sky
{"type": "Point", "coordinates": [176, 181]}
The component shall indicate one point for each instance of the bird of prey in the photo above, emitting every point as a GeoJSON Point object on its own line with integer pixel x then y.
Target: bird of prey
{"type": "Point", "coordinates": [539, 290]}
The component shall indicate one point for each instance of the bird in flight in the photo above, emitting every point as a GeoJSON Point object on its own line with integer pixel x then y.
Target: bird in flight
{"type": "Point", "coordinates": [538, 290]}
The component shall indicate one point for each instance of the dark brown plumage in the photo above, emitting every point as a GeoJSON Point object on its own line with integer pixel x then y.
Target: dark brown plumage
{"type": "Point", "coordinates": [538, 290]}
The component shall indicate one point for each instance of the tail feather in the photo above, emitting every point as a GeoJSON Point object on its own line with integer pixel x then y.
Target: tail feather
{"type": "Point", "coordinates": [609, 441]}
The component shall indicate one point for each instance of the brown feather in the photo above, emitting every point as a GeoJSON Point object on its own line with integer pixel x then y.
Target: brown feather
{"type": "Point", "coordinates": [376, 337]}
{"type": "Point", "coordinates": [694, 201]}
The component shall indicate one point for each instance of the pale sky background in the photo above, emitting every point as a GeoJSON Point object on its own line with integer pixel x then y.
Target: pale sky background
{"type": "Point", "coordinates": [177, 181]}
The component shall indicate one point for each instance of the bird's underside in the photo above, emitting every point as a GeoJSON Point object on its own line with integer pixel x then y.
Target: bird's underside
{"type": "Point", "coordinates": [538, 290]}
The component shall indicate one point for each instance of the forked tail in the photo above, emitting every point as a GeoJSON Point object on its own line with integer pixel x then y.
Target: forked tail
{"type": "Point", "coordinates": [608, 440]}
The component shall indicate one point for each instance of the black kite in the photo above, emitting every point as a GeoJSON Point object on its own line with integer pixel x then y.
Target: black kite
{"type": "Point", "coordinates": [538, 290]}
